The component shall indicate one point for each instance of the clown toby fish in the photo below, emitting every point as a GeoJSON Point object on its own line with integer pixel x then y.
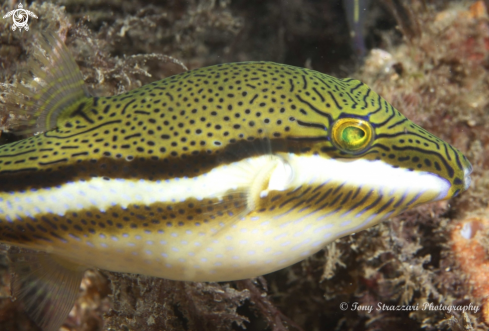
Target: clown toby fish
{"type": "Point", "coordinates": [215, 174]}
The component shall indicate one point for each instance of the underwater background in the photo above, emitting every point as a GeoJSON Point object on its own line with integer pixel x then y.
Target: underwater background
{"type": "Point", "coordinates": [429, 59]}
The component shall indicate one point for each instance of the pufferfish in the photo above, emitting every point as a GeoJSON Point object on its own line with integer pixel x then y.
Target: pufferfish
{"type": "Point", "coordinates": [215, 174]}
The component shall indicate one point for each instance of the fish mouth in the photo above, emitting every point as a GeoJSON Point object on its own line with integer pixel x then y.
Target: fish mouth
{"type": "Point", "coordinates": [467, 178]}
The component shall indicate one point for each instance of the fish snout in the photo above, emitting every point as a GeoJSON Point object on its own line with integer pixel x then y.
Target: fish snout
{"type": "Point", "coordinates": [467, 171]}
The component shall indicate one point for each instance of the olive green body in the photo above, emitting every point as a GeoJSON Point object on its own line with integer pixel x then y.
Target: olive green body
{"type": "Point", "coordinates": [173, 179]}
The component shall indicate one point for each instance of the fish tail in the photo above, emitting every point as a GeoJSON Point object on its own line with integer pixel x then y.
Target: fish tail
{"type": "Point", "coordinates": [53, 84]}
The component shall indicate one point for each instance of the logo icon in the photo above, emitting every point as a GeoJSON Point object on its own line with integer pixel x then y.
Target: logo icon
{"type": "Point", "coordinates": [20, 17]}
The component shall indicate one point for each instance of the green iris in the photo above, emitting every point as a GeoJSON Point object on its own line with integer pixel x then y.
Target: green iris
{"type": "Point", "coordinates": [352, 135]}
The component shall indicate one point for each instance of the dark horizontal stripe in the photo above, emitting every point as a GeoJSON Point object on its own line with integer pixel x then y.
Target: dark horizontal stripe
{"type": "Point", "coordinates": [22, 170]}
{"type": "Point", "coordinates": [450, 170]}
{"type": "Point", "coordinates": [79, 154]}
{"type": "Point", "coordinates": [52, 134]}
{"type": "Point", "coordinates": [18, 154]}
{"type": "Point", "coordinates": [385, 148]}
{"type": "Point", "coordinates": [345, 114]}
{"type": "Point", "coordinates": [157, 217]}
{"type": "Point", "coordinates": [404, 135]}
{"type": "Point", "coordinates": [53, 162]}
{"type": "Point", "coordinates": [312, 125]}
{"type": "Point", "coordinates": [166, 167]}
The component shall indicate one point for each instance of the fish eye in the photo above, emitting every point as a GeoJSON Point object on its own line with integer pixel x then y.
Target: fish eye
{"type": "Point", "coordinates": [351, 135]}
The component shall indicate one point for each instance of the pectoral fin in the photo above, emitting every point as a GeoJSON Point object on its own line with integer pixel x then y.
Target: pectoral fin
{"type": "Point", "coordinates": [274, 173]}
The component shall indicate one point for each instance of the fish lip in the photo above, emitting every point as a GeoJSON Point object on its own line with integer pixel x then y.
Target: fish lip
{"type": "Point", "coordinates": [467, 178]}
{"type": "Point", "coordinates": [468, 170]}
{"type": "Point", "coordinates": [467, 181]}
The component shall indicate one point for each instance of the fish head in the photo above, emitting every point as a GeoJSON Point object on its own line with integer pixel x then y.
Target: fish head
{"type": "Point", "coordinates": [375, 146]}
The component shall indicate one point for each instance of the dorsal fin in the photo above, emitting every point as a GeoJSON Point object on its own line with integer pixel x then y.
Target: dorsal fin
{"type": "Point", "coordinates": [46, 285]}
{"type": "Point", "coordinates": [53, 83]}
